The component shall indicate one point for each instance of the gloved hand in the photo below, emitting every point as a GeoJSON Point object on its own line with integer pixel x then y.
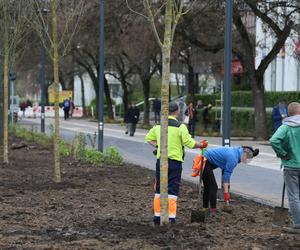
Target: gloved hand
{"type": "Point", "coordinates": [203, 144]}
{"type": "Point", "coordinates": [226, 198]}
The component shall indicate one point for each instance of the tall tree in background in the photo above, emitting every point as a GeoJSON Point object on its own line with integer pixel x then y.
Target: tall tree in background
{"type": "Point", "coordinates": [59, 35]}
{"type": "Point", "coordinates": [13, 28]}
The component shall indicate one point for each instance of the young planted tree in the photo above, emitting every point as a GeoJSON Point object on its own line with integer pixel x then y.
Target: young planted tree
{"type": "Point", "coordinates": [13, 30]}
{"type": "Point", "coordinates": [173, 11]}
{"type": "Point", "coordinates": [59, 36]}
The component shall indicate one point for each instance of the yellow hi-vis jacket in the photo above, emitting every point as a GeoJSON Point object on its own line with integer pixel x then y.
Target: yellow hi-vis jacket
{"type": "Point", "coordinates": [178, 138]}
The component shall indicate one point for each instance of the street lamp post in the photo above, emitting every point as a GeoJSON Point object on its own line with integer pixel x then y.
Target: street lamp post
{"type": "Point", "coordinates": [101, 76]}
{"type": "Point", "coordinates": [227, 74]}
{"type": "Point", "coordinates": [42, 73]}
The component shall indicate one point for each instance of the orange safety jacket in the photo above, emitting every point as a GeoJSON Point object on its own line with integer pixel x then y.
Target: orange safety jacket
{"type": "Point", "coordinates": [199, 161]}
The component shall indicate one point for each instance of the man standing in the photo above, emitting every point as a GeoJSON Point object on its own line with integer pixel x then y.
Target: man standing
{"type": "Point", "coordinates": [178, 138]}
{"type": "Point", "coordinates": [133, 115]}
{"type": "Point", "coordinates": [286, 144]}
{"type": "Point", "coordinates": [279, 112]}
{"type": "Point", "coordinates": [156, 109]}
{"type": "Point", "coordinates": [66, 107]}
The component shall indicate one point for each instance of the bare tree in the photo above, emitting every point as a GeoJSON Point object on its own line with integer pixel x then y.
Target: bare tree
{"type": "Point", "coordinates": [278, 16]}
{"type": "Point", "coordinates": [13, 30]}
{"type": "Point", "coordinates": [59, 36]}
{"type": "Point", "coordinates": [169, 12]}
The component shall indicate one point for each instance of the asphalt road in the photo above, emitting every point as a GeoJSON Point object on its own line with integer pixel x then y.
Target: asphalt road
{"type": "Point", "coordinates": [261, 181]}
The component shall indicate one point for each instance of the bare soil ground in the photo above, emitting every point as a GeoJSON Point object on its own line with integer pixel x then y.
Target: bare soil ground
{"type": "Point", "coordinates": [111, 208]}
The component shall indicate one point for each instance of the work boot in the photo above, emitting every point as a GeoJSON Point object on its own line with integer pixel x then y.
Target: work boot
{"type": "Point", "coordinates": [291, 230]}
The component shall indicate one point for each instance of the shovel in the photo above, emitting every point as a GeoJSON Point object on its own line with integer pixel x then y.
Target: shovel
{"type": "Point", "coordinates": [200, 214]}
{"type": "Point", "coordinates": [280, 213]}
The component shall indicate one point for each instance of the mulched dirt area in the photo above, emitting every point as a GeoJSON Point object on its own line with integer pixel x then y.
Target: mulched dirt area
{"type": "Point", "coordinates": [111, 208]}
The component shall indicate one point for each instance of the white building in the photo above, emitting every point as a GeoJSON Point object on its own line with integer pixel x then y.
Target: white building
{"type": "Point", "coordinates": [283, 74]}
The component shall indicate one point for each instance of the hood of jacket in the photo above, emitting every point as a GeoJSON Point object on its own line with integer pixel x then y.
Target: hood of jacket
{"type": "Point", "coordinates": [292, 121]}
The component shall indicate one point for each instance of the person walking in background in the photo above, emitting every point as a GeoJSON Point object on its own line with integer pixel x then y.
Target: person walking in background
{"type": "Point", "coordinates": [178, 138]}
{"type": "Point", "coordinates": [133, 116]}
{"type": "Point", "coordinates": [72, 107]}
{"type": "Point", "coordinates": [206, 117]}
{"type": "Point", "coordinates": [23, 107]}
{"type": "Point", "coordinates": [192, 114]}
{"type": "Point", "coordinates": [286, 144]}
{"type": "Point", "coordinates": [279, 112]}
{"type": "Point", "coordinates": [66, 107]}
{"type": "Point", "coordinates": [156, 109]}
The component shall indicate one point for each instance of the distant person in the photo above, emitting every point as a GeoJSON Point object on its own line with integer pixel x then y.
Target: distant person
{"type": "Point", "coordinates": [182, 108]}
{"type": "Point", "coordinates": [206, 117]}
{"type": "Point", "coordinates": [279, 112]}
{"type": "Point", "coordinates": [191, 112]}
{"type": "Point", "coordinates": [66, 107]}
{"type": "Point", "coordinates": [23, 107]}
{"type": "Point", "coordinates": [199, 105]}
{"type": "Point", "coordinates": [72, 107]}
{"type": "Point", "coordinates": [156, 109]}
{"type": "Point", "coordinates": [133, 116]}
{"type": "Point", "coordinates": [286, 143]}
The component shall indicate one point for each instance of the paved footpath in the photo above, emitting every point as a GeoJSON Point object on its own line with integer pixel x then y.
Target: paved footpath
{"type": "Point", "coordinates": [261, 180]}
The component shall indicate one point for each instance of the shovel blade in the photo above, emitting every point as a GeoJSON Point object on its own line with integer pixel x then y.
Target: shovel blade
{"type": "Point", "coordinates": [280, 215]}
{"type": "Point", "coordinates": [199, 215]}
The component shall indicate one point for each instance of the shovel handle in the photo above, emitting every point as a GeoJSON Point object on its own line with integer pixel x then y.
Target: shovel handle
{"type": "Point", "coordinates": [282, 196]}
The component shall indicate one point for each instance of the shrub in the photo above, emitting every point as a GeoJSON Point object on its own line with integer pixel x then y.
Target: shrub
{"type": "Point", "coordinates": [245, 99]}
{"type": "Point", "coordinates": [111, 156]}
{"type": "Point", "coordinates": [65, 149]}
{"type": "Point", "coordinates": [92, 156]}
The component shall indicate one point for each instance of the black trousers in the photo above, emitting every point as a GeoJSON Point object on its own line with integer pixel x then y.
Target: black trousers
{"type": "Point", "coordinates": [210, 186]}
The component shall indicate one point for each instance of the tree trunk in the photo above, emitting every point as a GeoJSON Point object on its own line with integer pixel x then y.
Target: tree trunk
{"type": "Point", "coordinates": [125, 95]}
{"type": "Point", "coordinates": [146, 91]}
{"type": "Point", "coordinates": [82, 94]}
{"type": "Point", "coordinates": [57, 172]}
{"type": "Point", "coordinates": [166, 59]}
{"type": "Point", "coordinates": [110, 113]}
{"type": "Point", "coordinates": [258, 91]}
{"type": "Point", "coordinates": [5, 97]}
{"type": "Point", "coordinates": [191, 82]}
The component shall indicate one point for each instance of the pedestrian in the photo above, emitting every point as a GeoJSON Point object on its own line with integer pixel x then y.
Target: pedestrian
{"type": "Point", "coordinates": [72, 107]}
{"type": "Point", "coordinates": [199, 105]}
{"type": "Point", "coordinates": [191, 112]}
{"type": "Point", "coordinates": [206, 117]}
{"type": "Point", "coordinates": [156, 109]}
{"type": "Point", "coordinates": [178, 138]}
{"type": "Point", "coordinates": [182, 108]}
{"type": "Point", "coordinates": [279, 112]}
{"type": "Point", "coordinates": [226, 158]}
{"type": "Point", "coordinates": [133, 115]}
{"type": "Point", "coordinates": [23, 107]}
{"type": "Point", "coordinates": [286, 144]}
{"type": "Point", "coordinates": [66, 107]}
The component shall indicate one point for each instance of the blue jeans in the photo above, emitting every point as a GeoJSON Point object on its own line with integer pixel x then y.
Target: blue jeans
{"type": "Point", "coordinates": [292, 183]}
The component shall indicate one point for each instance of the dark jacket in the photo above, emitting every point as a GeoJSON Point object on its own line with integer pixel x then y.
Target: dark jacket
{"type": "Point", "coordinates": [277, 117]}
{"type": "Point", "coordinates": [133, 115]}
{"type": "Point", "coordinates": [193, 116]}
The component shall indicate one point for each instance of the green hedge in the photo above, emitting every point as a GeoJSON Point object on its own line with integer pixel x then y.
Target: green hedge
{"type": "Point", "coordinates": [242, 122]}
{"type": "Point", "coordinates": [245, 99]}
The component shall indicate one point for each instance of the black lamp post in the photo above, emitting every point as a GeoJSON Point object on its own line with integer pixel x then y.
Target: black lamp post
{"type": "Point", "coordinates": [101, 76]}
{"type": "Point", "coordinates": [42, 72]}
{"type": "Point", "coordinates": [227, 74]}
